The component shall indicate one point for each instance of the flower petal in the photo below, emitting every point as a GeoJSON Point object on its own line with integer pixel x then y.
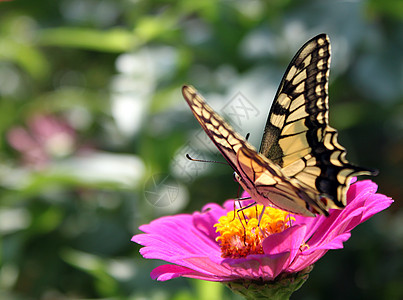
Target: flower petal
{"type": "Point", "coordinates": [205, 220]}
{"type": "Point", "coordinates": [174, 238]}
{"type": "Point", "coordinates": [325, 233]}
{"type": "Point", "coordinates": [363, 203]}
{"type": "Point", "coordinates": [166, 272]}
{"type": "Point", "coordinates": [288, 240]}
{"type": "Point", "coordinates": [258, 266]}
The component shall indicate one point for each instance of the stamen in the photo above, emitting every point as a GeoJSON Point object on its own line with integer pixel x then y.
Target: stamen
{"type": "Point", "coordinates": [244, 235]}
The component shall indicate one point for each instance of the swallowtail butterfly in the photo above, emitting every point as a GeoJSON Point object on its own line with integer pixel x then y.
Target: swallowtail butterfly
{"type": "Point", "coordinates": [300, 167]}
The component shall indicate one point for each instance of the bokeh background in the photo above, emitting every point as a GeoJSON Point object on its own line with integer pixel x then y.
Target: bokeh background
{"type": "Point", "coordinates": [94, 131]}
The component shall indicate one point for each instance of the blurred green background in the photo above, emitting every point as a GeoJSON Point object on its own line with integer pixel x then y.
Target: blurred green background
{"type": "Point", "coordinates": [94, 131]}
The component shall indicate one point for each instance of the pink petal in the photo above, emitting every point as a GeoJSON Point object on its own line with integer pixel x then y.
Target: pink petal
{"type": "Point", "coordinates": [166, 272]}
{"type": "Point", "coordinates": [264, 267]}
{"type": "Point", "coordinates": [289, 240]}
{"type": "Point", "coordinates": [362, 204]}
{"type": "Point", "coordinates": [209, 216]}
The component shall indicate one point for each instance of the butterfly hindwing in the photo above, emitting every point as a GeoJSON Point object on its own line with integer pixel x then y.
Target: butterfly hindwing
{"type": "Point", "coordinates": [267, 185]}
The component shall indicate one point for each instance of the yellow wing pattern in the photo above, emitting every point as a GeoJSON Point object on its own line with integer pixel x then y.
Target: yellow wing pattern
{"type": "Point", "coordinates": [297, 134]}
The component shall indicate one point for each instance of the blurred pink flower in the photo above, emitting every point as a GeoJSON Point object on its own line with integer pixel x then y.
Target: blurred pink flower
{"type": "Point", "coordinates": [189, 241]}
{"type": "Point", "coordinates": [45, 137]}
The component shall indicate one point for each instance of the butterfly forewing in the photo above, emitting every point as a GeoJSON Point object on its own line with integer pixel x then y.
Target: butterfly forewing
{"type": "Point", "coordinates": [297, 134]}
{"type": "Point", "coordinates": [300, 105]}
{"type": "Point", "coordinates": [220, 132]}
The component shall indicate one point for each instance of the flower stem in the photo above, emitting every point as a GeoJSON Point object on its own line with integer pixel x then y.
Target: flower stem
{"type": "Point", "coordinates": [279, 289]}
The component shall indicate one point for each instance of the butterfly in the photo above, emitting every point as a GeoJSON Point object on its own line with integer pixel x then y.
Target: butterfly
{"type": "Point", "coordinates": [300, 166]}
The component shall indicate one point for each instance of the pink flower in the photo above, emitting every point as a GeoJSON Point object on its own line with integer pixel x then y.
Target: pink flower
{"type": "Point", "coordinates": [189, 241]}
{"type": "Point", "coordinates": [46, 136]}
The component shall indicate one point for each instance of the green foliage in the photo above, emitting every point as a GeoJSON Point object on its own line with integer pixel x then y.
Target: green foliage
{"type": "Point", "coordinates": [91, 110]}
{"type": "Point", "coordinates": [114, 40]}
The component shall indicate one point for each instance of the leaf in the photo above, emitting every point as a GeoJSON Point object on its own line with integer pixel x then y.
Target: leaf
{"type": "Point", "coordinates": [113, 40]}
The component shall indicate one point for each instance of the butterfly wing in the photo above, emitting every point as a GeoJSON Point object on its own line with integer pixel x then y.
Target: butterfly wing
{"type": "Point", "coordinates": [220, 132]}
{"type": "Point", "coordinates": [297, 135]}
{"type": "Point", "coordinates": [262, 179]}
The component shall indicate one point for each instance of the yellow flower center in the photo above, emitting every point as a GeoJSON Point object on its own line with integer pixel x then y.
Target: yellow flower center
{"type": "Point", "coordinates": [240, 234]}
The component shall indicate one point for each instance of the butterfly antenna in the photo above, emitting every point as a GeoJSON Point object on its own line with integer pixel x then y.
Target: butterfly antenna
{"type": "Point", "coordinates": [205, 161]}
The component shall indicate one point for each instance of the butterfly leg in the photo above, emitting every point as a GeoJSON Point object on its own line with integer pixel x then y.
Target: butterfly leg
{"type": "Point", "coordinates": [261, 216]}
{"type": "Point", "coordinates": [240, 209]}
{"type": "Point", "coordinates": [243, 208]}
{"type": "Point", "coordinates": [247, 206]}
{"type": "Point", "coordinates": [245, 198]}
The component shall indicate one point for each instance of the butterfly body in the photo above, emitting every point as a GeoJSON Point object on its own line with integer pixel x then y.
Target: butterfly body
{"type": "Point", "coordinates": [300, 167]}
